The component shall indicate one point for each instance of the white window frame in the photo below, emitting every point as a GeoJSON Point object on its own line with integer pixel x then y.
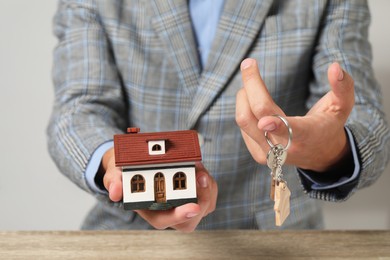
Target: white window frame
{"type": "Point", "coordinates": [161, 143]}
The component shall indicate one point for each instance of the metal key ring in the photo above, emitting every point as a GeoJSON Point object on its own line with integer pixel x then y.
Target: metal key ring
{"type": "Point", "coordinates": [290, 135]}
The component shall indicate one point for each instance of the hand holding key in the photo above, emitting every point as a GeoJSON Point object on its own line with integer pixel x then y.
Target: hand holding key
{"type": "Point", "coordinates": [320, 141]}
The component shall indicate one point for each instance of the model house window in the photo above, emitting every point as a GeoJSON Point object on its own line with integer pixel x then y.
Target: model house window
{"type": "Point", "coordinates": [137, 184]}
{"type": "Point", "coordinates": [179, 181]}
{"type": "Point", "coordinates": [156, 147]}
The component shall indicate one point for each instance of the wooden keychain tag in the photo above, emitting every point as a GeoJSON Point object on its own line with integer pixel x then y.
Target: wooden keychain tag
{"type": "Point", "coordinates": [272, 190]}
{"type": "Point", "coordinates": [282, 202]}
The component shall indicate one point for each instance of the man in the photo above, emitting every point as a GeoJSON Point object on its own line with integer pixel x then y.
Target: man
{"type": "Point", "coordinates": [169, 65]}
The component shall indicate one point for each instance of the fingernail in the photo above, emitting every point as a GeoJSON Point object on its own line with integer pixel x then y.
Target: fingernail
{"type": "Point", "coordinates": [191, 214]}
{"type": "Point", "coordinates": [269, 127]}
{"type": "Point", "coordinates": [246, 63]}
{"type": "Point", "coordinates": [202, 181]}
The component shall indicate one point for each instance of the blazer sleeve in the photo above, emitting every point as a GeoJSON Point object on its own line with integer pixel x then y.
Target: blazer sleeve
{"type": "Point", "coordinates": [343, 37]}
{"type": "Point", "coordinates": [90, 105]}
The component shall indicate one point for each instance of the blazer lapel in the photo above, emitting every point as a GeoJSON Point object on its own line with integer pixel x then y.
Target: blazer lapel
{"type": "Point", "coordinates": [239, 26]}
{"type": "Point", "coordinates": [172, 22]}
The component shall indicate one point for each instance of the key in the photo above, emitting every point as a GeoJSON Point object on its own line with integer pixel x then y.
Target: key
{"type": "Point", "coordinates": [276, 152]}
{"type": "Point", "coordinates": [271, 162]}
{"type": "Point", "coordinates": [275, 158]}
{"type": "Point", "coordinates": [280, 193]}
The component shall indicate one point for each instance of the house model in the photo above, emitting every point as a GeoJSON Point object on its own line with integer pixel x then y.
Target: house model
{"type": "Point", "coordinates": [158, 169]}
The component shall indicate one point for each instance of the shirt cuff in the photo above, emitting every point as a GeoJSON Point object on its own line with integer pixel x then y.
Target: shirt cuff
{"type": "Point", "coordinates": [343, 179]}
{"type": "Point", "coordinates": [93, 166]}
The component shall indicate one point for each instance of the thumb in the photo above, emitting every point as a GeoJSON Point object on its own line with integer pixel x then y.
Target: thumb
{"type": "Point", "coordinates": [113, 183]}
{"type": "Point", "coordinates": [112, 178]}
{"type": "Point", "coordinates": [342, 86]}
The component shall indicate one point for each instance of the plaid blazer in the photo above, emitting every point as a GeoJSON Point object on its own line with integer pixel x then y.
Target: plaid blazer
{"type": "Point", "coordinates": [135, 63]}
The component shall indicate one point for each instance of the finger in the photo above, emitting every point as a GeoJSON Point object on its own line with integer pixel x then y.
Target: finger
{"type": "Point", "coordinates": [256, 150]}
{"type": "Point", "coordinates": [213, 199]}
{"type": "Point", "coordinates": [245, 118]}
{"type": "Point", "coordinates": [191, 224]}
{"type": "Point", "coordinates": [300, 128]}
{"type": "Point", "coordinates": [248, 123]}
{"type": "Point", "coordinates": [260, 101]}
{"type": "Point", "coordinates": [278, 132]}
{"type": "Point", "coordinates": [207, 190]}
{"type": "Point", "coordinates": [342, 86]}
{"type": "Point", "coordinates": [112, 181]}
{"type": "Point", "coordinates": [170, 218]}
{"type": "Point", "coordinates": [206, 193]}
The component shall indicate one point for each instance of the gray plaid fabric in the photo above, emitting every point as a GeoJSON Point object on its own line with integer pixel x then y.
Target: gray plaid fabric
{"type": "Point", "coordinates": [134, 63]}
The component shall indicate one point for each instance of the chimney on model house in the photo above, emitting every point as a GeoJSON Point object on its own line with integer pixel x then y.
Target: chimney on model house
{"type": "Point", "coordinates": [133, 130]}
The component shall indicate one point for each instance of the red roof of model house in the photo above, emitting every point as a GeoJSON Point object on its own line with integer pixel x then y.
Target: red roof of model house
{"type": "Point", "coordinates": [132, 149]}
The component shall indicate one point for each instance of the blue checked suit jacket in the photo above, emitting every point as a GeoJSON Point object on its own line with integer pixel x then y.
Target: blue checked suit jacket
{"type": "Point", "coordinates": [134, 63]}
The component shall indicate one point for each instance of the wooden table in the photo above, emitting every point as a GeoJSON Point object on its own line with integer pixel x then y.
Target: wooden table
{"type": "Point", "coordinates": [198, 245]}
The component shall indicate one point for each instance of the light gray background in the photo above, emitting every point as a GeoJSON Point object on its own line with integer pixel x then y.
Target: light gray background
{"type": "Point", "coordinates": [35, 196]}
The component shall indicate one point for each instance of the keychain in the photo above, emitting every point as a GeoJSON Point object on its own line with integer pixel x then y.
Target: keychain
{"type": "Point", "coordinates": [279, 193]}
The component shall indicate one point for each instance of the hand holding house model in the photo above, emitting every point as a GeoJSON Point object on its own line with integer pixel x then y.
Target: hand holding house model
{"type": "Point", "coordinates": [158, 169]}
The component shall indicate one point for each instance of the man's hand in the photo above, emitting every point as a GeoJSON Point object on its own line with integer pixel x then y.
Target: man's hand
{"type": "Point", "coordinates": [319, 138]}
{"type": "Point", "coordinates": [186, 217]}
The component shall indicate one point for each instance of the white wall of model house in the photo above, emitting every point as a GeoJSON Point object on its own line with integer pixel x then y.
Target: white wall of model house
{"type": "Point", "coordinates": [149, 193]}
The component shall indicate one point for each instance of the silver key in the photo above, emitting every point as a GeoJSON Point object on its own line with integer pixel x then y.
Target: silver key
{"type": "Point", "coordinates": [276, 157]}
{"type": "Point", "coordinates": [280, 193]}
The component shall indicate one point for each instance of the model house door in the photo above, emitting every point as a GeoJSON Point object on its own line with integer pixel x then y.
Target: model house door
{"type": "Point", "coordinates": [159, 188]}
